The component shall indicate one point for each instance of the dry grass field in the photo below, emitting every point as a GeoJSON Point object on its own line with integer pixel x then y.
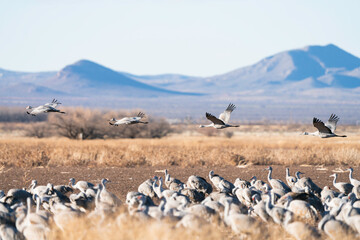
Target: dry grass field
{"type": "Point", "coordinates": [185, 151]}
{"type": "Point", "coordinates": [115, 228]}
{"type": "Point", "coordinates": [51, 159]}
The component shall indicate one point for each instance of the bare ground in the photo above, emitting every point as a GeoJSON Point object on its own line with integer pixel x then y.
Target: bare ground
{"type": "Point", "coordinates": [124, 180]}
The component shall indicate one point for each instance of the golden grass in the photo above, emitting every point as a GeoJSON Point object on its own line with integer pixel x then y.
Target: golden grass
{"type": "Point", "coordinates": [289, 149]}
{"type": "Point", "coordinates": [133, 229]}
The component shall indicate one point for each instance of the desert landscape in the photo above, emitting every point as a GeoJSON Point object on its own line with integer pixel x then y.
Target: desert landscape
{"type": "Point", "coordinates": [129, 162]}
{"type": "Point", "coordinates": [166, 120]}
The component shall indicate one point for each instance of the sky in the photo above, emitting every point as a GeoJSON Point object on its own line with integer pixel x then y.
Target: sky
{"type": "Point", "coordinates": [191, 37]}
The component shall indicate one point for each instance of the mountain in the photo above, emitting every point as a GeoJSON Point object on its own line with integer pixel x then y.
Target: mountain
{"type": "Point", "coordinates": [300, 83]}
{"type": "Point", "coordinates": [81, 79]}
{"type": "Point", "coordinates": [86, 76]}
{"type": "Point", "coordinates": [306, 68]}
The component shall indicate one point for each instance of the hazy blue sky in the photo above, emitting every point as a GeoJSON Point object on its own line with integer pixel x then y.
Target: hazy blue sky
{"type": "Point", "coordinates": [191, 37]}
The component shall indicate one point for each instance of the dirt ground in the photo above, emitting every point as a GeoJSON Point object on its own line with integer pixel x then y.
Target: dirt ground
{"type": "Point", "coordinates": [124, 180]}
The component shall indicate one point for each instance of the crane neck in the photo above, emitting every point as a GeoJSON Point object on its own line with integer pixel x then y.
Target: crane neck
{"type": "Point", "coordinates": [167, 176]}
{"type": "Point", "coordinates": [269, 174]}
{"type": "Point", "coordinates": [37, 204]}
{"type": "Point", "coordinates": [269, 205]}
{"type": "Point", "coordinates": [161, 185]}
{"type": "Point", "coordinates": [97, 198]}
{"type": "Point", "coordinates": [103, 185]}
{"type": "Point", "coordinates": [334, 181]}
{"type": "Point", "coordinates": [351, 174]}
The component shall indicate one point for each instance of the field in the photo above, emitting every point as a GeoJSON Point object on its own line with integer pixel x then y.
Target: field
{"type": "Point", "coordinates": [128, 162]}
{"type": "Point", "coordinates": [184, 151]}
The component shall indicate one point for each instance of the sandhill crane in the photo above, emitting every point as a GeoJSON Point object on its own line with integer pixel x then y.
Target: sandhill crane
{"type": "Point", "coordinates": [302, 209]}
{"type": "Point", "coordinates": [193, 194]}
{"type": "Point", "coordinates": [8, 232]}
{"type": "Point", "coordinates": [353, 181]}
{"type": "Point", "coordinates": [214, 178]}
{"type": "Point", "coordinates": [277, 183]}
{"type": "Point", "coordinates": [215, 205]}
{"type": "Point", "coordinates": [34, 226]}
{"type": "Point", "coordinates": [128, 120]}
{"type": "Point", "coordinates": [160, 192]}
{"type": "Point", "coordinates": [42, 213]}
{"type": "Point", "coordinates": [260, 210]}
{"type": "Point", "coordinates": [335, 229]}
{"type": "Point", "coordinates": [343, 187]}
{"type": "Point", "coordinates": [46, 108]}
{"type": "Point", "coordinates": [290, 179]}
{"type": "Point", "coordinates": [80, 185]}
{"type": "Point", "coordinates": [277, 213]}
{"type": "Point", "coordinates": [146, 187]}
{"type": "Point", "coordinates": [352, 220]}
{"type": "Point", "coordinates": [244, 183]}
{"type": "Point", "coordinates": [300, 230]}
{"type": "Point", "coordinates": [239, 223]}
{"type": "Point", "coordinates": [303, 182]}
{"type": "Point", "coordinates": [243, 194]}
{"type": "Point", "coordinates": [64, 189]}
{"type": "Point", "coordinates": [55, 194]}
{"type": "Point", "coordinates": [172, 183]}
{"type": "Point", "coordinates": [220, 183]}
{"type": "Point", "coordinates": [325, 130]}
{"type": "Point", "coordinates": [106, 196]}
{"type": "Point", "coordinates": [222, 121]}
{"type": "Point", "coordinates": [257, 184]}
{"type": "Point", "coordinates": [199, 184]}
{"type": "Point", "coordinates": [201, 211]}
{"type": "Point", "coordinates": [63, 214]}
{"type": "Point", "coordinates": [16, 195]}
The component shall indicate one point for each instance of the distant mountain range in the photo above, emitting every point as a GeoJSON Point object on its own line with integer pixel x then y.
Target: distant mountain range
{"type": "Point", "coordinates": [307, 68]}
{"type": "Point", "coordinates": [316, 74]}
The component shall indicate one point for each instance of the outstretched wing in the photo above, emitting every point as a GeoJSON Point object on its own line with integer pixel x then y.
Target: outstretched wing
{"type": "Point", "coordinates": [141, 115]}
{"type": "Point", "coordinates": [321, 126]}
{"type": "Point", "coordinates": [331, 123]}
{"type": "Point", "coordinates": [225, 116]}
{"type": "Point", "coordinates": [53, 104]}
{"type": "Point", "coordinates": [214, 119]}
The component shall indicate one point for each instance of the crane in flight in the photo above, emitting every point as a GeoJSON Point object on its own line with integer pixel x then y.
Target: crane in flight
{"type": "Point", "coordinates": [325, 130]}
{"type": "Point", "coordinates": [128, 120]}
{"type": "Point", "coordinates": [222, 121]}
{"type": "Point", "coordinates": [46, 108]}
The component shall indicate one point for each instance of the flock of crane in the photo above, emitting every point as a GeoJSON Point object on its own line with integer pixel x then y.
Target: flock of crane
{"type": "Point", "coordinates": [325, 130]}
{"type": "Point", "coordinates": [297, 205]}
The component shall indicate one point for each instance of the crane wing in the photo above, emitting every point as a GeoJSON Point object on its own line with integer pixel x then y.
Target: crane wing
{"type": "Point", "coordinates": [214, 119]}
{"type": "Point", "coordinates": [141, 115]}
{"type": "Point", "coordinates": [225, 116]}
{"type": "Point", "coordinates": [320, 126]}
{"type": "Point", "coordinates": [331, 123]}
{"type": "Point", "coordinates": [54, 103]}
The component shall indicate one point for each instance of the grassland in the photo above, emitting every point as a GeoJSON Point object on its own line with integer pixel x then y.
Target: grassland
{"type": "Point", "coordinates": [185, 151]}
{"type": "Point", "coordinates": [251, 146]}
